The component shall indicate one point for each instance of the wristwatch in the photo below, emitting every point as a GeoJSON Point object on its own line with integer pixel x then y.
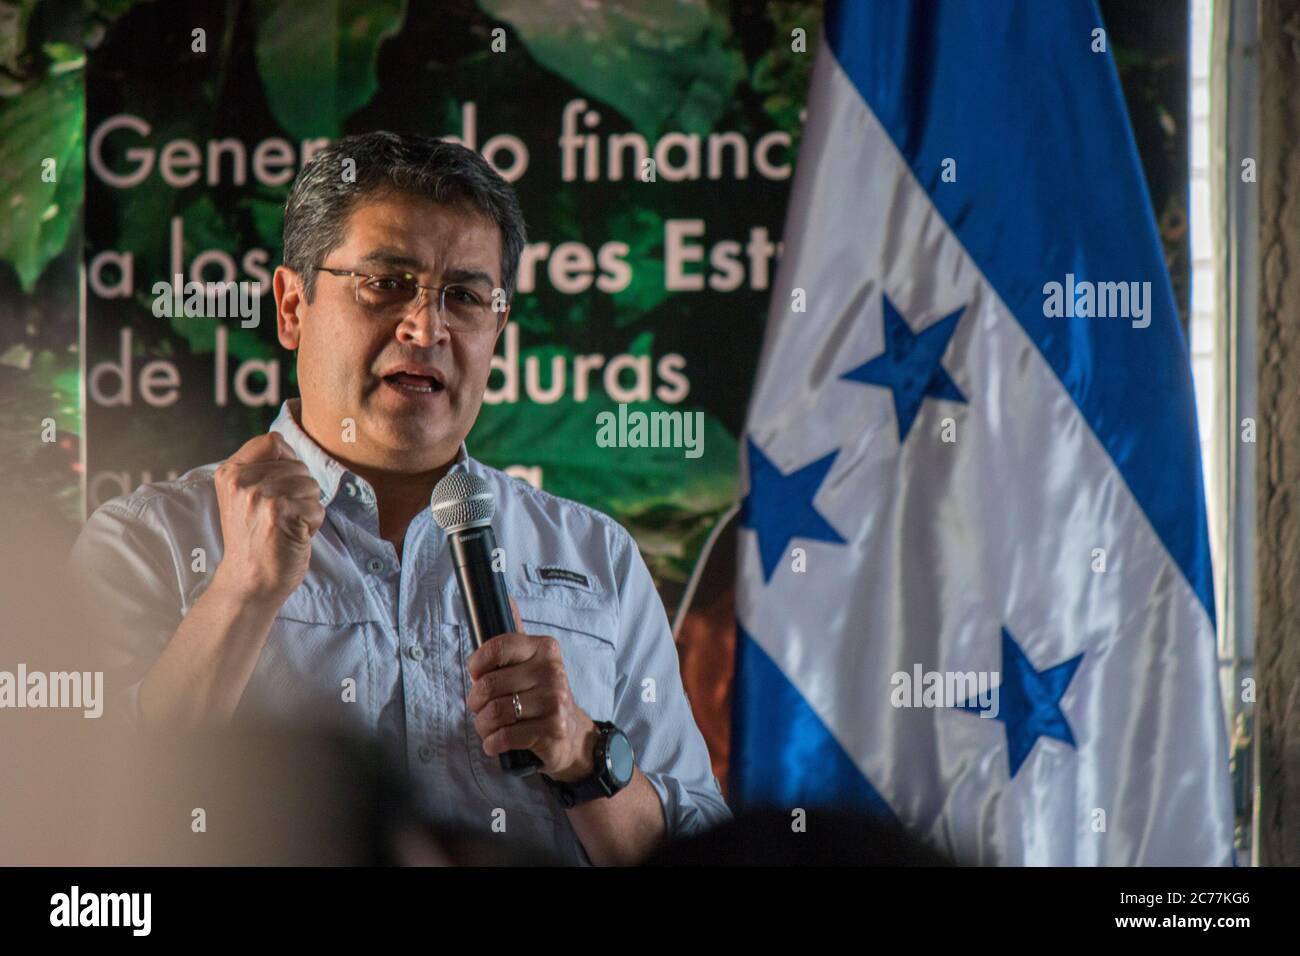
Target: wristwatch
{"type": "Point", "coordinates": [613, 760]}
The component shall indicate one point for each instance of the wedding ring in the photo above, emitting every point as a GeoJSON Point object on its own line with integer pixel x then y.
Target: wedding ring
{"type": "Point", "coordinates": [519, 708]}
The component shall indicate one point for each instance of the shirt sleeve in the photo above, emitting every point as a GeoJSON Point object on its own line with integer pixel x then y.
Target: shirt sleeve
{"type": "Point", "coordinates": [126, 573]}
{"type": "Point", "coordinates": [651, 707]}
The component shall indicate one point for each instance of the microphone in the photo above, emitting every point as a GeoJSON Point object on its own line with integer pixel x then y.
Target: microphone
{"type": "Point", "coordinates": [463, 506]}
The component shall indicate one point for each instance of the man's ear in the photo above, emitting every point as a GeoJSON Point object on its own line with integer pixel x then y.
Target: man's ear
{"type": "Point", "coordinates": [505, 317]}
{"type": "Point", "coordinates": [290, 306]}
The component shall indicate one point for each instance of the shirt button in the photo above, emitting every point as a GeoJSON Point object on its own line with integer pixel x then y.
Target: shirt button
{"type": "Point", "coordinates": [426, 752]}
{"type": "Point", "coordinates": [375, 565]}
{"type": "Point", "coordinates": [415, 652]}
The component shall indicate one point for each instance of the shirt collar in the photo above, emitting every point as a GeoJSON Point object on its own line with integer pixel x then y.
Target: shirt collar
{"type": "Point", "coordinates": [329, 473]}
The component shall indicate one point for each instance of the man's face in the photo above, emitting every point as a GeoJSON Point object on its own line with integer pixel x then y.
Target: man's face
{"type": "Point", "coordinates": [344, 352]}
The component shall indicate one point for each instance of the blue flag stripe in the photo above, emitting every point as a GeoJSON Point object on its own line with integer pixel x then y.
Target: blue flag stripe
{"type": "Point", "coordinates": [1048, 184]}
{"type": "Point", "coordinates": [782, 752]}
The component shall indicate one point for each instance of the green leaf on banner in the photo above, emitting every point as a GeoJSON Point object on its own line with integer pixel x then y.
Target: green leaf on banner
{"type": "Point", "coordinates": [205, 228]}
{"type": "Point", "coordinates": [47, 121]}
{"type": "Point", "coordinates": [14, 17]}
{"type": "Point", "coordinates": [782, 75]}
{"type": "Point", "coordinates": [59, 377]}
{"type": "Point", "coordinates": [643, 231]}
{"type": "Point", "coordinates": [527, 313]}
{"type": "Point", "coordinates": [64, 56]}
{"type": "Point", "coordinates": [317, 60]}
{"type": "Point", "coordinates": [268, 221]}
{"type": "Point", "coordinates": [660, 63]}
{"type": "Point", "coordinates": [109, 10]}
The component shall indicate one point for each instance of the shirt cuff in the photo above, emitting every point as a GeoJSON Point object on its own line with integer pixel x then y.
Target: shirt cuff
{"type": "Point", "coordinates": [687, 812]}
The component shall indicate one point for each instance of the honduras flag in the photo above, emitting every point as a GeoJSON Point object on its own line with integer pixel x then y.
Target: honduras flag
{"type": "Point", "coordinates": [974, 589]}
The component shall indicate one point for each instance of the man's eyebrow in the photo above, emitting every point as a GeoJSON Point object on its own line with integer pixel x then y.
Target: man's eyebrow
{"type": "Point", "coordinates": [468, 275]}
{"type": "Point", "coordinates": [394, 259]}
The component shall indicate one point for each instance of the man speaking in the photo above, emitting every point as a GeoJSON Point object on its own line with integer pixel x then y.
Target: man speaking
{"type": "Point", "coordinates": [324, 585]}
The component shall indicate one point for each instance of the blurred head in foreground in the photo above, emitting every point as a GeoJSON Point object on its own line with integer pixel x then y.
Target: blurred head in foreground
{"type": "Point", "coordinates": [81, 787]}
{"type": "Point", "coordinates": [765, 837]}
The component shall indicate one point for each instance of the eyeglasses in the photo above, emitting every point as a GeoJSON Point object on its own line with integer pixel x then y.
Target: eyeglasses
{"type": "Point", "coordinates": [396, 295]}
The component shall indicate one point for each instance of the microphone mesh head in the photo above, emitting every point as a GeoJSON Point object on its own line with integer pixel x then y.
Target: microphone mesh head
{"type": "Point", "coordinates": [461, 501]}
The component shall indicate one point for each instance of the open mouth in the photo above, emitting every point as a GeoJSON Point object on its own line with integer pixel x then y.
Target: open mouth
{"type": "Point", "coordinates": [417, 384]}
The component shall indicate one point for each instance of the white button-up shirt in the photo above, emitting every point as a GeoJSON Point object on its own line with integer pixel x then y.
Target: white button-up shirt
{"type": "Point", "coordinates": [383, 643]}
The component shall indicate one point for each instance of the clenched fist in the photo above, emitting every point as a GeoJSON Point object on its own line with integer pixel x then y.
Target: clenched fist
{"type": "Point", "coordinates": [270, 508]}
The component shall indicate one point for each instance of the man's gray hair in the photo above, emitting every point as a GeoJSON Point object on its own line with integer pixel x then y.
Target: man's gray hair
{"type": "Point", "coordinates": [322, 197]}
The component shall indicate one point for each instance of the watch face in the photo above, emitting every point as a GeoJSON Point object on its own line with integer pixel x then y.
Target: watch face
{"type": "Point", "coordinates": [619, 758]}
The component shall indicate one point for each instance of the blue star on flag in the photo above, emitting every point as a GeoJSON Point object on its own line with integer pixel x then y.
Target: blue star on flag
{"type": "Point", "coordinates": [1029, 701]}
{"type": "Point", "coordinates": [779, 507]}
{"type": "Point", "coordinates": [909, 367]}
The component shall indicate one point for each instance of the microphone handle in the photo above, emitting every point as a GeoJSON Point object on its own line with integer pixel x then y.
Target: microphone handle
{"type": "Point", "coordinates": [487, 605]}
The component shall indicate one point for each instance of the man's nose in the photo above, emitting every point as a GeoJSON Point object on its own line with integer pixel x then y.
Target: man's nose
{"type": "Point", "coordinates": [424, 325]}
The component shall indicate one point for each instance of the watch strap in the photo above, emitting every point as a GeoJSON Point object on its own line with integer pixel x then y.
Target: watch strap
{"type": "Point", "coordinates": [593, 787]}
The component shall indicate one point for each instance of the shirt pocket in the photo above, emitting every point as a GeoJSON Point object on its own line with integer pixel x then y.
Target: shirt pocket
{"type": "Point", "coordinates": [318, 640]}
{"type": "Point", "coordinates": [585, 632]}
{"type": "Point", "coordinates": [587, 647]}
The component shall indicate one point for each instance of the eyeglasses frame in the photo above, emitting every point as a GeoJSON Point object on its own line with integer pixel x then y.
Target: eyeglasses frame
{"type": "Point", "coordinates": [420, 290]}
